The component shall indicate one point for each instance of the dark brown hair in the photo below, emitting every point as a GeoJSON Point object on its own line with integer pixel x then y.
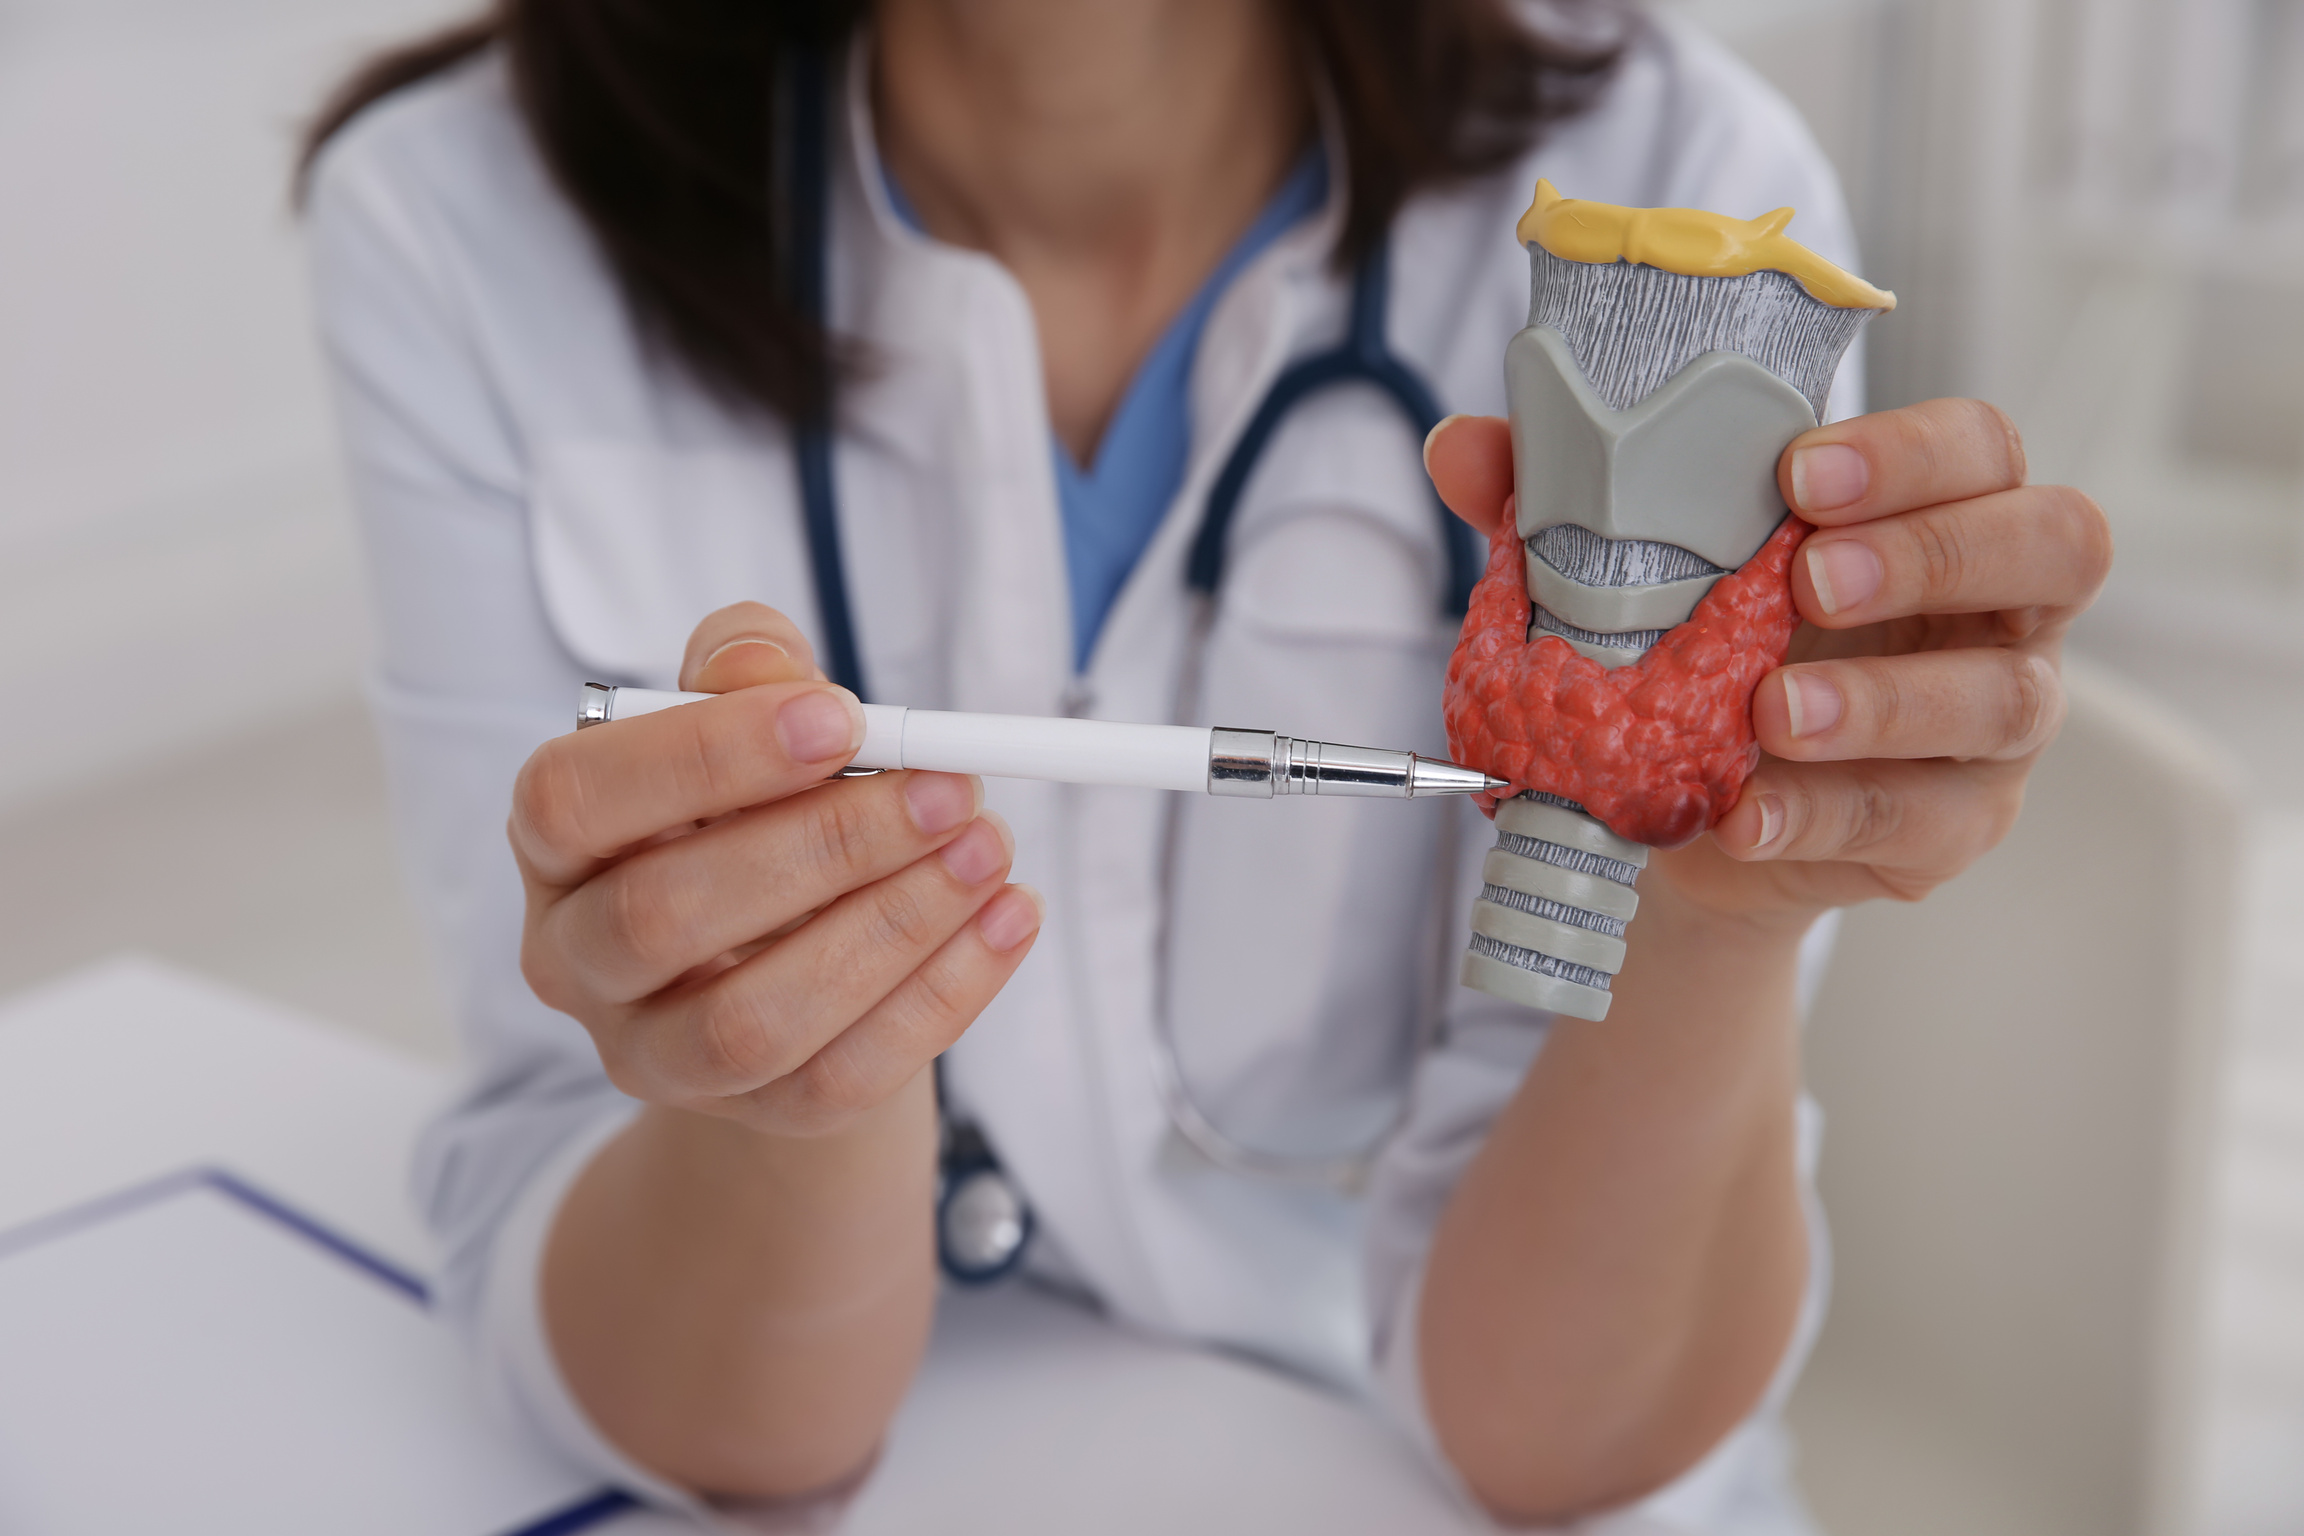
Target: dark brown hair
{"type": "Point", "coordinates": [659, 122]}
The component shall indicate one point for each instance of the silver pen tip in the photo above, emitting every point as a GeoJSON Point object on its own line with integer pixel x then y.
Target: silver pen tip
{"type": "Point", "coordinates": [1495, 783]}
{"type": "Point", "coordinates": [1431, 776]}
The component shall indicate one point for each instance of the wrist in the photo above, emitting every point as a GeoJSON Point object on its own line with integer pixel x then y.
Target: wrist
{"type": "Point", "coordinates": [894, 1130]}
{"type": "Point", "coordinates": [1698, 912]}
{"type": "Point", "coordinates": [1730, 898]}
{"type": "Point", "coordinates": [1721, 946]}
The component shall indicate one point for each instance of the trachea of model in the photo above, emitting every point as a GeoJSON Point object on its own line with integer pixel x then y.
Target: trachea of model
{"type": "Point", "coordinates": [1645, 451]}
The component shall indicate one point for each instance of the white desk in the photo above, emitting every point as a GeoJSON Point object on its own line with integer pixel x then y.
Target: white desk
{"type": "Point", "coordinates": [1028, 1418]}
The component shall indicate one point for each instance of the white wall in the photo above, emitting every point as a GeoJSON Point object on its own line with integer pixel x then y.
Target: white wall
{"type": "Point", "coordinates": [2093, 212]}
{"type": "Point", "coordinates": [175, 557]}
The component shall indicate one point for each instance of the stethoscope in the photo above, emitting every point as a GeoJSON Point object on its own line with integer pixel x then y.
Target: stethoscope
{"type": "Point", "coordinates": [983, 1222]}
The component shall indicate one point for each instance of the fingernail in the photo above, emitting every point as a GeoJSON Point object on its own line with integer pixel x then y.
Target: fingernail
{"type": "Point", "coordinates": [976, 855]}
{"type": "Point", "coordinates": [940, 801]}
{"type": "Point", "coordinates": [1828, 475]}
{"type": "Point", "coordinates": [1771, 821]}
{"type": "Point", "coordinates": [1811, 704]}
{"type": "Point", "coordinates": [1844, 572]}
{"type": "Point", "coordinates": [1437, 428]}
{"type": "Point", "coordinates": [820, 725]}
{"type": "Point", "coordinates": [745, 640]}
{"type": "Point", "coordinates": [1010, 918]}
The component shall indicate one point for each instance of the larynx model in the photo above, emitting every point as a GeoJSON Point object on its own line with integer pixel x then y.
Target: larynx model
{"type": "Point", "coordinates": [1607, 664]}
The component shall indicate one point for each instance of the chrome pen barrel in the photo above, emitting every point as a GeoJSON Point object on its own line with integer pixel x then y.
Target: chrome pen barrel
{"type": "Point", "coordinates": [1327, 768]}
{"type": "Point", "coordinates": [596, 705]}
{"type": "Point", "coordinates": [1260, 765]}
{"type": "Point", "coordinates": [1241, 763]}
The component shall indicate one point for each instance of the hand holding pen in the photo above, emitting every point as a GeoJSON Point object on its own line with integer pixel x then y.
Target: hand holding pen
{"type": "Point", "coordinates": [737, 947]}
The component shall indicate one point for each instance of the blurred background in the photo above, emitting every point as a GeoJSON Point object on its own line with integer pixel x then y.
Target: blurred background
{"type": "Point", "coordinates": [2093, 212]}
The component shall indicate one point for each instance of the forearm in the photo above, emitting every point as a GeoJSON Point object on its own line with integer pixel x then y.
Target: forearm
{"type": "Point", "coordinates": [740, 1312]}
{"type": "Point", "coordinates": [1615, 1279]}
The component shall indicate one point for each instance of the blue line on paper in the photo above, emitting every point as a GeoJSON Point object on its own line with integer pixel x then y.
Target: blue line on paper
{"type": "Point", "coordinates": [579, 1516]}
{"type": "Point", "coordinates": [296, 1221]}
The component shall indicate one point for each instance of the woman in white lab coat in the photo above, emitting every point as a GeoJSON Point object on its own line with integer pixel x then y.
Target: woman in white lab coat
{"type": "Point", "coordinates": [685, 1203]}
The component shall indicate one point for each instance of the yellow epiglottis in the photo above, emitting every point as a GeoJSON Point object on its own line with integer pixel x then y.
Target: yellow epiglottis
{"type": "Point", "coordinates": [1691, 242]}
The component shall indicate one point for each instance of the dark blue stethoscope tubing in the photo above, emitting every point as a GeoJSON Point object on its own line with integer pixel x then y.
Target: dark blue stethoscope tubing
{"type": "Point", "coordinates": [819, 498]}
{"type": "Point", "coordinates": [1364, 358]}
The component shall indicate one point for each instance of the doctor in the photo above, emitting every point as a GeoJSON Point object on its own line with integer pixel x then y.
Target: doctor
{"type": "Point", "coordinates": [685, 1201]}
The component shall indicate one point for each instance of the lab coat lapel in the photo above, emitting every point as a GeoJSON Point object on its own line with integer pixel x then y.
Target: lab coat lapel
{"type": "Point", "coordinates": [958, 387]}
{"type": "Point", "coordinates": [956, 326]}
{"type": "Point", "coordinates": [1137, 673]}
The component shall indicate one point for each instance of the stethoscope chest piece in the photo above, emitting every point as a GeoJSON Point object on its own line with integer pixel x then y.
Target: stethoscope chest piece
{"type": "Point", "coordinates": [983, 1223]}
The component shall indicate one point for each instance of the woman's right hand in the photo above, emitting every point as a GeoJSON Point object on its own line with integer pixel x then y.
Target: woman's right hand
{"type": "Point", "coordinates": [742, 934]}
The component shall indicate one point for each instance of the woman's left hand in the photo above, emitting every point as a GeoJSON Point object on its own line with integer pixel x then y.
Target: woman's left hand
{"type": "Point", "coordinates": [1936, 590]}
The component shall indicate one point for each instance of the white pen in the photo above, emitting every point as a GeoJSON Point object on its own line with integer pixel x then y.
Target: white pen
{"type": "Point", "coordinates": [1215, 760]}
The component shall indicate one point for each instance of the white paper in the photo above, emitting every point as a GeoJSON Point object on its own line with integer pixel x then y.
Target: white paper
{"type": "Point", "coordinates": [194, 1365]}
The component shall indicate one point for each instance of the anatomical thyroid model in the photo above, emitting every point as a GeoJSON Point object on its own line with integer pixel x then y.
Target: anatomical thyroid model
{"type": "Point", "coordinates": [1608, 661]}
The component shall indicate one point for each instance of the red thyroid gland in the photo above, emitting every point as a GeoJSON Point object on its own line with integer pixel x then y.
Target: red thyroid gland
{"type": "Point", "coordinates": [1658, 749]}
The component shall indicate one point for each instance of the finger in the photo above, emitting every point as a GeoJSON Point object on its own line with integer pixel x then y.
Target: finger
{"type": "Point", "coordinates": [637, 927]}
{"type": "Point", "coordinates": [1470, 461]}
{"type": "Point", "coordinates": [1892, 461]}
{"type": "Point", "coordinates": [2044, 547]}
{"type": "Point", "coordinates": [742, 646]}
{"type": "Point", "coordinates": [1914, 823]}
{"type": "Point", "coordinates": [583, 797]}
{"type": "Point", "coordinates": [755, 1023]}
{"type": "Point", "coordinates": [926, 1012]}
{"type": "Point", "coordinates": [1987, 702]}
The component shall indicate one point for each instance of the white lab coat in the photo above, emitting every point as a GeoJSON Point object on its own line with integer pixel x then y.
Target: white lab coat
{"type": "Point", "coordinates": [545, 500]}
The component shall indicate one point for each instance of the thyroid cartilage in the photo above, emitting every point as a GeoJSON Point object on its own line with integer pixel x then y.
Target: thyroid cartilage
{"type": "Point", "coordinates": [1669, 357]}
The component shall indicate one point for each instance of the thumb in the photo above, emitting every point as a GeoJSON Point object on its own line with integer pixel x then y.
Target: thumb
{"type": "Point", "coordinates": [1470, 461]}
{"type": "Point", "coordinates": [743, 646]}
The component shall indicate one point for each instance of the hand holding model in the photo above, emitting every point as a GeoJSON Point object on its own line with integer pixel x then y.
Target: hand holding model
{"type": "Point", "coordinates": [669, 860]}
{"type": "Point", "coordinates": [1934, 589]}
{"type": "Point", "coordinates": [1647, 561]}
